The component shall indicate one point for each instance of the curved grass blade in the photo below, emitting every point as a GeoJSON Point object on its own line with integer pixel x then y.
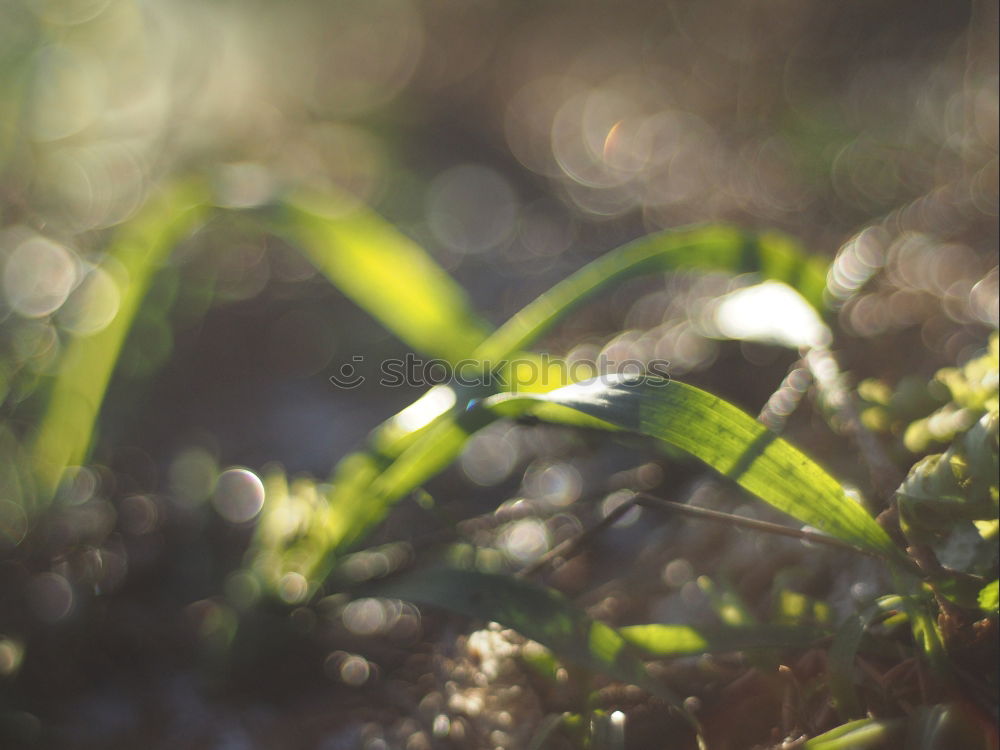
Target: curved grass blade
{"type": "Point", "coordinates": [538, 613]}
{"type": "Point", "coordinates": [721, 435]}
{"type": "Point", "coordinates": [364, 487]}
{"type": "Point", "coordinates": [686, 640]}
{"type": "Point", "coordinates": [770, 255]}
{"type": "Point", "coordinates": [858, 735]}
{"type": "Point", "coordinates": [384, 272]}
{"type": "Point", "coordinates": [138, 250]}
{"type": "Point", "coordinates": [845, 647]}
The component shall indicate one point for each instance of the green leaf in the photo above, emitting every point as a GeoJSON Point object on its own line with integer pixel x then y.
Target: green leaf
{"type": "Point", "coordinates": [139, 248]}
{"type": "Point", "coordinates": [686, 640]}
{"type": "Point", "coordinates": [383, 271]}
{"type": "Point", "coordinates": [973, 389]}
{"type": "Point", "coordinates": [845, 647]}
{"type": "Point", "coordinates": [989, 597]}
{"type": "Point", "coordinates": [356, 503]}
{"type": "Point", "coordinates": [770, 255]}
{"type": "Point", "coordinates": [538, 613]}
{"type": "Point", "coordinates": [364, 487]}
{"type": "Point", "coordinates": [858, 735]}
{"type": "Point", "coordinates": [740, 448]}
{"type": "Point", "coordinates": [944, 495]}
{"type": "Point", "coordinates": [724, 437]}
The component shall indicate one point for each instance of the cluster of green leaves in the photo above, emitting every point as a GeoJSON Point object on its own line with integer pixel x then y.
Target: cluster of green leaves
{"type": "Point", "coordinates": [949, 499]}
{"type": "Point", "coordinates": [922, 414]}
{"type": "Point", "coordinates": [309, 530]}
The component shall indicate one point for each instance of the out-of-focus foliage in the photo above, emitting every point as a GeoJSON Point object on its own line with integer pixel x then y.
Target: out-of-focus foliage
{"type": "Point", "coordinates": [844, 649]}
{"type": "Point", "coordinates": [933, 728]}
{"type": "Point", "coordinates": [513, 143]}
{"type": "Point", "coordinates": [969, 392]}
{"type": "Point", "coordinates": [419, 442]}
{"type": "Point", "coordinates": [541, 614]}
{"type": "Point", "coordinates": [120, 281]}
{"type": "Point", "coordinates": [989, 597]}
{"type": "Point", "coordinates": [384, 272]}
{"type": "Point", "coordinates": [949, 500]}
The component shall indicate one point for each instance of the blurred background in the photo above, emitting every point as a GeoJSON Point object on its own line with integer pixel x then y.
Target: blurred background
{"type": "Point", "coordinates": [514, 142]}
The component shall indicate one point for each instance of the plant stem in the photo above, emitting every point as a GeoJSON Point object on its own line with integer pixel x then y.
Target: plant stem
{"type": "Point", "coordinates": [651, 501]}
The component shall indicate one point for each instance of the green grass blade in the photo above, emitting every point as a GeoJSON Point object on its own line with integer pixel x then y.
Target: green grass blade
{"type": "Point", "coordinates": [352, 514]}
{"type": "Point", "coordinates": [724, 437]}
{"type": "Point", "coordinates": [138, 250]}
{"type": "Point", "coordinates": [858, 735]}
{"type": "Point", "coordinates": [538, 613]}
{"type": "Point", "coordinates": [686, 640]}
{"type": "Point", "coordinates": [364, 486]}
{"type": "Point", "coordinates": [845, 647]}
{"type": "Point", "coordinates": [989, 597]}
{"type": "Point", "coordinates": [360, 498]}
{"type": "Point", "coordinates": [770, 255]}
{"type": "Point", "coordinates": [392, 269]}
{"type": "Point", "coordinates": [384, 272]}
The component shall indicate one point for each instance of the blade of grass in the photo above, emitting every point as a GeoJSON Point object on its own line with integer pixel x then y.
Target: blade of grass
{"type": "Point", "coordinates": [989, 597]}
{"type": "Point", "coordinates": [684, 640]}
{"type": "Point", "coordinates": [770, 255]}
{"type": "Point", "coordinates": [383, 271]}
{"type": "Point", "coordinates": [364, 487]}
{"type": "Point", "coordinates": [773, 256]}
{"type": "Point", "coordinates": [721, 435]}
{"type": "Point", "coordinates": [845, 647]}
{"type": "Point", "coordinates": [139, 248]}
{"type": "Point", "coordinates": [538, 613]}
{"type": "Point", "coordinates": [858, 735]}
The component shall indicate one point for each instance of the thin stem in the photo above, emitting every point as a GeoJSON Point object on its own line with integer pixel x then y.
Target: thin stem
{"type": "Point", "coordinates": [570, 547]}
{"type": "Point", "coordinates": [651, 501]}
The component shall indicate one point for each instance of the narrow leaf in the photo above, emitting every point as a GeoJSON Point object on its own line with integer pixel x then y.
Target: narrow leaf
{"type": "Point", "coordinates": [366, 484]}
{"type": "Point", "coordinates": [770, 255]}
{"type": "Point", "coordinates": [989, 597]}
{"type": "Point", "coordinates": [538, 613]}
{"type": "Point", "coordinates": [724, 437]}
{"type": "Point", "coordinates": [845, 648]}
{"type": "Point", "coordinates": [687, 640]}
{"type": "Point", "coordinates": [384, 272]}
{"type": "Point", "coordinates": [858, 735]}
{"type": "Point", "coordinates": [138, 250]}
{"type": "Point", "coordinates": [332, 240]}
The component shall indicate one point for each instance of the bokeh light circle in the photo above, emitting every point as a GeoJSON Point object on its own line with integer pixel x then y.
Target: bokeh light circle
{"type": "Point", "coordinates": [239, 495]}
